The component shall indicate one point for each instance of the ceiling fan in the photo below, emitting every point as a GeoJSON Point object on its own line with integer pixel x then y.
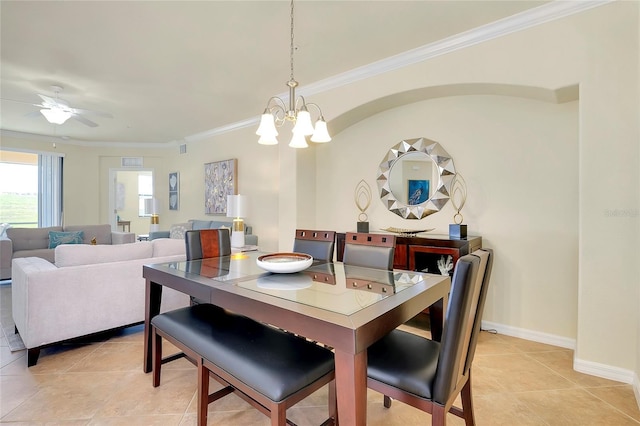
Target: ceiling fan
{"type": "Point", "coordinates": [57, 110]}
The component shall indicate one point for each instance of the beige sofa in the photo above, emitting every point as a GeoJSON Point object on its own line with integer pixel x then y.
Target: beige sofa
{"type": "Point", "coordinates": [34, 242]}
{"type": "Point", "coordinates": [89, 289]}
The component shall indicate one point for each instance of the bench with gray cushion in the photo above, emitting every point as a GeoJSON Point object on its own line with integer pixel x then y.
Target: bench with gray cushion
{"type": "Point", "coordinates": [269, 368]}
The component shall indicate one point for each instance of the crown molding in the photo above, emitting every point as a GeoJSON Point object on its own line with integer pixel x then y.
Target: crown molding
{"type": "Point", "coordinates": [64, 140]}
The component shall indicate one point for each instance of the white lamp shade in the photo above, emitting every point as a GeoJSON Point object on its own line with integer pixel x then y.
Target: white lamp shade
{"type": "Point", "coordinates": [268, 140]}
{"type": "Point", "coordinates": [267, 126]}
{"type": "Point", "coordinates": [303, 123]}
{"type": "Point", "coordinates": [237, 205]}
{"type": "Point", "coordinates": [321, 134]}
{"type": "Point", "coordinates": [298, 141]}
{"type": "Point", "coordinates": [151, 206]}
{"type": "Point", "coordinates": [55, 115]}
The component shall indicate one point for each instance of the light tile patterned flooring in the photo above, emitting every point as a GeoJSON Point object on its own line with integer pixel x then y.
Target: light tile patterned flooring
{"type": "Point", "coordinates": [100, 382]}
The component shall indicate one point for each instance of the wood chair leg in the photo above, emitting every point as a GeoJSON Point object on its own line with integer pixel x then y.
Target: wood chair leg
{"type": "Point", "coordinates": [387, 401]}
{"type": "Point", "coordinates": [333, 402]}
{"type": "Point", "coordinates": [203, 393]}
{"type": "Point", "coordinates": [467, 403]}
{"type": "Point", "coordinates": [156, 356]}
{"type": "Point", "coordinates": [438, 416]}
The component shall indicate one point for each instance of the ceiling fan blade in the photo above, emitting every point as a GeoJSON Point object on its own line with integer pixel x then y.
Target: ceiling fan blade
{"type": "Point", "coordinates": [48, 100]}
{"type": "Point", "coordinates": [53, 102]}
{"type": "Point", "coordinates": [91, 112]}
{"type": "Point", "coordinates": [84, 120]}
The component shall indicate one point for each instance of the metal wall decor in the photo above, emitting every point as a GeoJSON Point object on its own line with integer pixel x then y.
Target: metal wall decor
{"type": "Point", "coordinates": [362, 196]}
{"type": "Point", "coordinates": [440, 190]}
{"type": "Point", "coordinates": [458, 196]}
{"type": "Point", "coordinates": [220, 180]}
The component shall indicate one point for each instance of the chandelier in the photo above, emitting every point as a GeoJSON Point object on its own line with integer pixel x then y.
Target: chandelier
{"type": "Point", "coordinates": [276, 114]}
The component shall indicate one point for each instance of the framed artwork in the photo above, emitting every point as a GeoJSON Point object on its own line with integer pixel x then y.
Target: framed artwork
{"type": "Point", "coordinates": [174, 191]}
{"type": "Point", "coordinates": [220, 180]}
{"type": "Point", "coordinates": [418, 192]}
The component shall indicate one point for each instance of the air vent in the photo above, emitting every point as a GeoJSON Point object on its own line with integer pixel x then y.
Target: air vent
{"type": "Point", "coordinates": [131, 161]}
{"type": "Point", "coordinates": [183, 148]}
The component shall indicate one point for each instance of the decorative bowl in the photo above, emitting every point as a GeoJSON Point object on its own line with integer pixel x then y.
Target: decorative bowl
{"type": "Point", "coordinates": [284, 263]}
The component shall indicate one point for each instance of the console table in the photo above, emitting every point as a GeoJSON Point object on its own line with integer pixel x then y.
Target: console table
{"type": "Point", "coordinates": [419, 253]}
{"type": "Point", "coordinates": [422, 254]}
{"type": "Point", "coordinates": [126, 225]}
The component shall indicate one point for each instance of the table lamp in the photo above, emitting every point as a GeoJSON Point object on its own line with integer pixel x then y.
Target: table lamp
{"type": "Point", "coordinates": [237, 209]}
{"type": "Point", "coordinates": [151, 207]}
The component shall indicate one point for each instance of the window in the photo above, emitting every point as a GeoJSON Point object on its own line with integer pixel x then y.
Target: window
{"type": "Point", "coordinates": [145, 192]}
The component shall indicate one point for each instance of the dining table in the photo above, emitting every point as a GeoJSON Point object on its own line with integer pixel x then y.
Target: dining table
{"type": "Point", "coordinates": [344, 307]}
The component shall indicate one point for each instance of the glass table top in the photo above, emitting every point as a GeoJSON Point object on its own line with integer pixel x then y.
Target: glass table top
{"type": "Point", "coordinates": [334, 287]}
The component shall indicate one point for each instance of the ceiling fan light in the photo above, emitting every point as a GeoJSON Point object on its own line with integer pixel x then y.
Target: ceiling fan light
{"type": "Point", "coordinates": [321, 134]}
{"type": "Point", "coordinates": [298, 141]}
{"type": "Point", "coordinates": [267, 126]}
{"type": "Point", "coordinates": [55, 115]}
{"type": "Point", "coordinates": [303, 123]}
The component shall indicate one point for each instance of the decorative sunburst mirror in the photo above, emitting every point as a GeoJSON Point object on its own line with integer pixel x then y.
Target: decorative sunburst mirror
{"type": "Point", "coordinates": [415, 178]}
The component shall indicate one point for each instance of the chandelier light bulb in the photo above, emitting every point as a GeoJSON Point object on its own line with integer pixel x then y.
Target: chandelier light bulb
{"type": "Point", "coordinates": [268, 140]}
{"type": "Point", "coordinates": [303, 123]}
{"type": "Point", "coordinates": [298, 141]}
{"type": "Point", "coordinates": [321, 134]}
{"type": "Point", "coordinates": [267, 126]}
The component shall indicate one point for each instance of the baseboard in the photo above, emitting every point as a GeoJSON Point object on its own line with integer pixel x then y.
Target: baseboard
{"type": "Point", "coordinates": [605, 371]}
{"type": "Point", "coordinates": [535, 336]}
{"type": "Point", "coordinates": [588, 367]}
{"type": "Point", "coordinates": [636, 388]}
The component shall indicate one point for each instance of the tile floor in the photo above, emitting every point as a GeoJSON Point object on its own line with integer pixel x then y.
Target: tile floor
{"type": "Point", "coordinates": [100, 382]}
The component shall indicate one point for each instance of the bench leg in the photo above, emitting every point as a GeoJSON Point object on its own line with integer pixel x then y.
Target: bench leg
{"type": "Point", "coordinates": [278, 414]}
{"type": "Point", "coordinates": [203, 393]}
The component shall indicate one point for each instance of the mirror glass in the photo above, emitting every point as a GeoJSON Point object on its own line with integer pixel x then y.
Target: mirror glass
{"type": "Point", "coordinates": [415, 178]}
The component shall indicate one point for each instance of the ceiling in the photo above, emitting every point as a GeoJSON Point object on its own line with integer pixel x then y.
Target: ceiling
{"type": "Point", "coordinates": [167, 70]}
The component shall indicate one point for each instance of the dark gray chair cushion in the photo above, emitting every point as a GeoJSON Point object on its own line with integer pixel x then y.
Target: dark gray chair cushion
{"type": "Point", "coordinates": [275, 363]}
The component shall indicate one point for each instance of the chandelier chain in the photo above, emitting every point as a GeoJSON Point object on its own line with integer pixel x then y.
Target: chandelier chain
{"type": "Point", "coordinates": [292, 45]}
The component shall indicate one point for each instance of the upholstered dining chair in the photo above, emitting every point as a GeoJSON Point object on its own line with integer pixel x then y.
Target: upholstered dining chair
{"type": "Point", "coordinates": [369, 250]}
{"type": "Point", "coordinates": [427, 374]}
{"type": "Point", "coordinates": [206, 244]}
{"type": "Point", "coordinates": [319, 244]}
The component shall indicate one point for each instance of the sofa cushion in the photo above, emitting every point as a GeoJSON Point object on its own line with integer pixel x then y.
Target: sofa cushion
{"type": "Point", "coordinates": [30, 238]}
{"type": "Point", "coordinates": [45, 253]}
{"type": "Point", "coordinates": [198, 225]}
{"type": "Point", "coordinates": [60, 237]}
{"type": "Point", "coordinates": [102, 233]}
{"type": "Point", "coordinates": [73, 255]}
{"type": "Point", "coordinates": [168, 247]}
{"type": "Point", "coordinates": [177, 230]}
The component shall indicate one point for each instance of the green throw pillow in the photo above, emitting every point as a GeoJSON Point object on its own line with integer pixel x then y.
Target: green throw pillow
{"type": "Point", "coordinates": [56, 238]}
